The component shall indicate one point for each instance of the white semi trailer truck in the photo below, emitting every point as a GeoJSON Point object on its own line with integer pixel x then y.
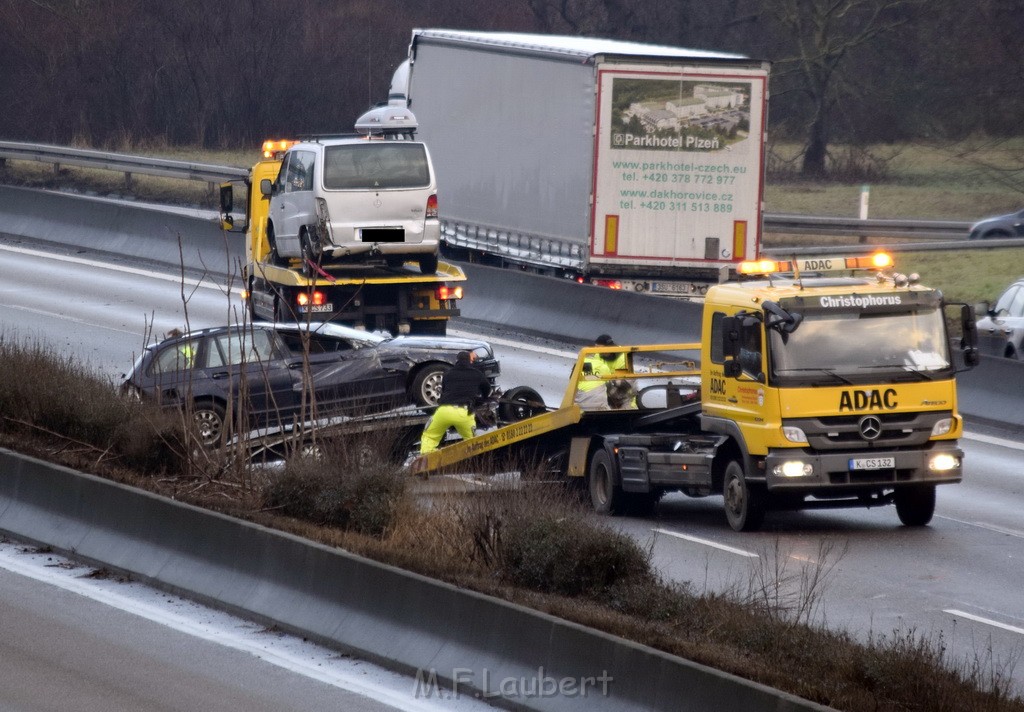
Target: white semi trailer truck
{"type": "Point", "coordinates": [635, 166]}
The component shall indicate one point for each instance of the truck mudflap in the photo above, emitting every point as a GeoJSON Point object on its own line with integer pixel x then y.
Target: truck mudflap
{"type": "Point", "coordinates": [940, 463]}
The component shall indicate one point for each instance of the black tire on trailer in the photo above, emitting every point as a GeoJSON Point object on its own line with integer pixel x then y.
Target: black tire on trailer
{"type": "Point", "coordinates": [744, 503]}
{"type": "Point", "coordinates": [605, 493]}
{"type": "Point", "coordinates": [425, 389]}
{"type": "Point", "coordinates": [520, 403]}
{"type": "Point", "coordinates": [428, 264]}
{"type": "Point", "coordinates": [208, 418]}
{"type": "Point", "coordinates": [915, 505]}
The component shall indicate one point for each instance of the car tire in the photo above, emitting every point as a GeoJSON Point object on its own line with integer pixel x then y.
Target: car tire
{"type": "Point", "coordinates": [274, 256]}
{"type": "Point", "coordinates": [309, 251]}
{"type": "Point", "coordinates": [425, 389]}
{"type": "Point", "coordinates": [520, 403]}
{"type": "Point", "coordinates": [428, 264]}
{"type": "Point", "coordinates": [208, 419]}
{"type": "Point", "coordinates": [915, 505]}
{"type": "Point", "coordinates": [744, 503]}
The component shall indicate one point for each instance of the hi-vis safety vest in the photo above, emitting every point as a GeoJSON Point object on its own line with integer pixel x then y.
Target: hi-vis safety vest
{"type": "Point", "coordinates": [601, 368]}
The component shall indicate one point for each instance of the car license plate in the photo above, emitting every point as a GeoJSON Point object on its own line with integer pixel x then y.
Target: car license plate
{"type": "Point", "coordinates": [317, 308]}
{"type": "Point", "coordinates": [872, 463]}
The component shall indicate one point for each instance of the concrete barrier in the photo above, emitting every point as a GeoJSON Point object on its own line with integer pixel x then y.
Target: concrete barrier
{"type": "Point", "coordinates": [474, 643]}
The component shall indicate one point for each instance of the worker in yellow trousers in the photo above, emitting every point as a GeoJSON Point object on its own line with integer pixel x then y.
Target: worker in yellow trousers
{"type": "Point", "coordinates": [462, 385]}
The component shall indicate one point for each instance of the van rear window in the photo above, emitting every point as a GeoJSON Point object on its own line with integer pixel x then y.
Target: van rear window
{"type": "Point", "coordinates": [376, 165]}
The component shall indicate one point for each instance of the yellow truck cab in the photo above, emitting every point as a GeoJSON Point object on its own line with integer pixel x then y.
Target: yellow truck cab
{"type": "Point", "coordinates": [822, 383]}
{"type": "Point", "coordinates": [833, 377]}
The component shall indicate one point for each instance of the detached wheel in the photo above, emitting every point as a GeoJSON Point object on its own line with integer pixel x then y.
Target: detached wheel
{"type": "Point", "coordinates": [915, 505]}
{"type": "Point", "coordinates": [605, 494]}
{"type": "Point", "coordinates": [520, 403]}
{"type": "Point", "coordinates": [425, 389]}
{"type": "Point", "coordinates": [744, 505]}
{"type": "Point", "coordinates": [208, 419]}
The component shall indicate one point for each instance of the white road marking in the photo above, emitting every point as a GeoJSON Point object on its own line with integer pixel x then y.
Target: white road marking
{"type": "Point", "coordinates": [983, 525]}
{"type": "Point", "coordinates": [177, 279]}
{"type": "Point", "coordinates": [66, 317]}
{"type": "Point", "coordinates": [571, 355]}
{"type": "Point", "coordinates": [994, 440]}
{"type": "Point", "coordinates": [708, 542]}
{"type": "Point", "coordinates": [329, 671]}
{"type": "Point", "coordinates": [986, 621]}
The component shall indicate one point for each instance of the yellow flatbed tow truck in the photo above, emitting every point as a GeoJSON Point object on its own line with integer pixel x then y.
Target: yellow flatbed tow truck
{"type": "Point", "coordinates": [822, 383]}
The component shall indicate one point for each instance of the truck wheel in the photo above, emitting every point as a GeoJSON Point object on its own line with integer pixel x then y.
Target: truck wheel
{"type": "Point", "coordinates": [426, 386]}
{"type": "Point", "coordinates": [520, 403]}
{"type": "Point", "coordinates": [744, 505]}
{"type": "Point", "coordinates": [208, 418]}
{"type": "Point", "coordinates": [606, 496]}
{"type": "Point", "coordinates": [428, 264]}
{"type": "Point", "coordinates": [915, 505]}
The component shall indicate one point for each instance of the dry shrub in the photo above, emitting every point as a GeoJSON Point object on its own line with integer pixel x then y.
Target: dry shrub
{"type": "Point", "coordinates": [153, 440]}
{"type": "Point", "coordinates": [338, 485]}
{"type": "Point", "coordinates": [52, 394]}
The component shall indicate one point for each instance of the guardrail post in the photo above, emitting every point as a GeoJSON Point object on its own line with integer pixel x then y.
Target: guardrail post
{"type": "Point", "coordinates": [56, 169]}
{"type": "Point", "coordinates": [865, 192]}
{"type": "Point", "coordinates": [127, 181]}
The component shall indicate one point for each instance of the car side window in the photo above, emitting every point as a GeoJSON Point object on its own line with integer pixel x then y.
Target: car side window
{"type": "Point", "coordinates": [181, 356]}
{"type": "Point", "coordinates": [298, 172]}
{"type": "Point", "coordinates": [239, 347]}
{"type": "Point", "coordinates": [1016, 308]}
{"type": "Point", "coordinates": [1002, 307]}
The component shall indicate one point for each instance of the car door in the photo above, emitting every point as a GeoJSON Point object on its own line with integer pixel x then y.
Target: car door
{"type": "Point", "coordinates": [359, 383]}
{"type": "Point", "coordinates": [996, 332]}
{"type": "Point", "coordinates": [293, 204]}
{"type": "Point", "coordinates": [254, 375]}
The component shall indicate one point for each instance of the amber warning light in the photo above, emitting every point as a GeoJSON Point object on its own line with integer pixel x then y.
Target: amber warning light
{"type": "Point", "coordinates": [876, 261]}
{"type": "Point", "coordinates": [273, 148]}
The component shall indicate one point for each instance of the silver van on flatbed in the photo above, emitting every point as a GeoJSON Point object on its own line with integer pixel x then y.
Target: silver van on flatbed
{"type": "Point", "coordinates": [358, 199]}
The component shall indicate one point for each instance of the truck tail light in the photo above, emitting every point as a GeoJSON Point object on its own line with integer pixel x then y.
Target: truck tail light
{"type": "Point", "coordinates": [432, 206]}
{"type": "Point", "coordinates": [314, 298]}
{"type": "Point", "coordinates": [609, 283]}
{"type": "Point", "coordinates": [445, 292]}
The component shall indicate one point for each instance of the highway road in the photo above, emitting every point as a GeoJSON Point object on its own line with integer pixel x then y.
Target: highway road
{"type": "Point", "coordinates": [956, 582]}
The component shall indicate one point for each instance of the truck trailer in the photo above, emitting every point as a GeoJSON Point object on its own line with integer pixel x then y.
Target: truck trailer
{"type": "Point", "coordinates": [817, 383]}
{"type": "Point", "coordinates": [629, 165]}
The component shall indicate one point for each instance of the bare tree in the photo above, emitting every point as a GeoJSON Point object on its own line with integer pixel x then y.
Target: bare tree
{"type": "Point", "coordinates": [823, 34]}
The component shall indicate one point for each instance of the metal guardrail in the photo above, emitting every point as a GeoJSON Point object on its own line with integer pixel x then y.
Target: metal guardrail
{"type": "Point", "coordinates": [777, 223]}
{"type": "Point", "coordinates": [118, 162]}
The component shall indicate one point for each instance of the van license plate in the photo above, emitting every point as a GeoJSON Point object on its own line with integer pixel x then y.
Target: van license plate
{"type": "Point", "coordinates": [873, 463]}
{"type": "Point", "coordinates": [317, 308]}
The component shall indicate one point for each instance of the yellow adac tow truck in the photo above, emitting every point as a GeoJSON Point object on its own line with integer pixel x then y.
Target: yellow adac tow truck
{"type": "Point", "coordinates": [818, 383]}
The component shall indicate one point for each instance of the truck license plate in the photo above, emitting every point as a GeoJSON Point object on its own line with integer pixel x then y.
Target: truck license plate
{"type": "Point", "coordinates": [872, 463]}
{"type": "Point", "coordinates": [670, 287]}
{"type": "Point", "coordinates": [317, 308]}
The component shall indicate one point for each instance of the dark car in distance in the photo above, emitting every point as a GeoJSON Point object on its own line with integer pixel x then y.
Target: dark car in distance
{"type": "Point", "coordinates": [270, 375]}
{"type": "Point", "coordinates": [997, 227]}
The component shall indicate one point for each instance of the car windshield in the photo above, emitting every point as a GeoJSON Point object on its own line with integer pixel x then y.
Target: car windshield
{"type": "Point", "coordinates": [861, 345]}
{"type": "Point", "coordinates": [376, 164]}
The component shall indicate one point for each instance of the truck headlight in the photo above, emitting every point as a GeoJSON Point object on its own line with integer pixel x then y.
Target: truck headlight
{"type": "Point", "coordinates": [793, 468]}
{"type": "Point", "coordinates": [794, 434]}
{"type": "Point", "coordinates": [942, 427]}
{"type": "Point", "coordinates": [943, 462]}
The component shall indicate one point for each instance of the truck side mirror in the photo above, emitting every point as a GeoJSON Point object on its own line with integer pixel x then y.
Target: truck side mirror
{"type": "Point", "coordinates": [266, 188]}
{"type": "Point", "coordinates": [227, 199]}
{"type": "Point", "coordinates": [732, 368]}
{"type": "Point", "coordinates": [730, 337]}
{"type": "Point", "coordinates": [968, 327]}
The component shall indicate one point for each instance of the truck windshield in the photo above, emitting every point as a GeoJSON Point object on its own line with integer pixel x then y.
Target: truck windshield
{"type": "Point", "coordinates": [375, 165]}
{"type": "Point", "coordinates": [857, 346]}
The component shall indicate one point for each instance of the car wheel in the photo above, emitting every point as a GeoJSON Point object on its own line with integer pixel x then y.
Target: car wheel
{"type": "Point", "coordinates": [275, 257]}
{"type": "Point", "coordinates": [425, 389]}
{"type": "Point", "coordinates": [208, 419]}
{"type": "Point", "coordinates": [996, 235]}
{"type": "Point", "coordinates": [428, 264]}
{"type": "Point", "coordinates": [605, 494]}
{"type": "Point", "coordinates": [915, 505]}
{"type": "Point", "coordinates": [310, 252]}
{"type": "Point", "coordinates": [744, 504]}
{"type": "Point", "coordinates": [520, 403]}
